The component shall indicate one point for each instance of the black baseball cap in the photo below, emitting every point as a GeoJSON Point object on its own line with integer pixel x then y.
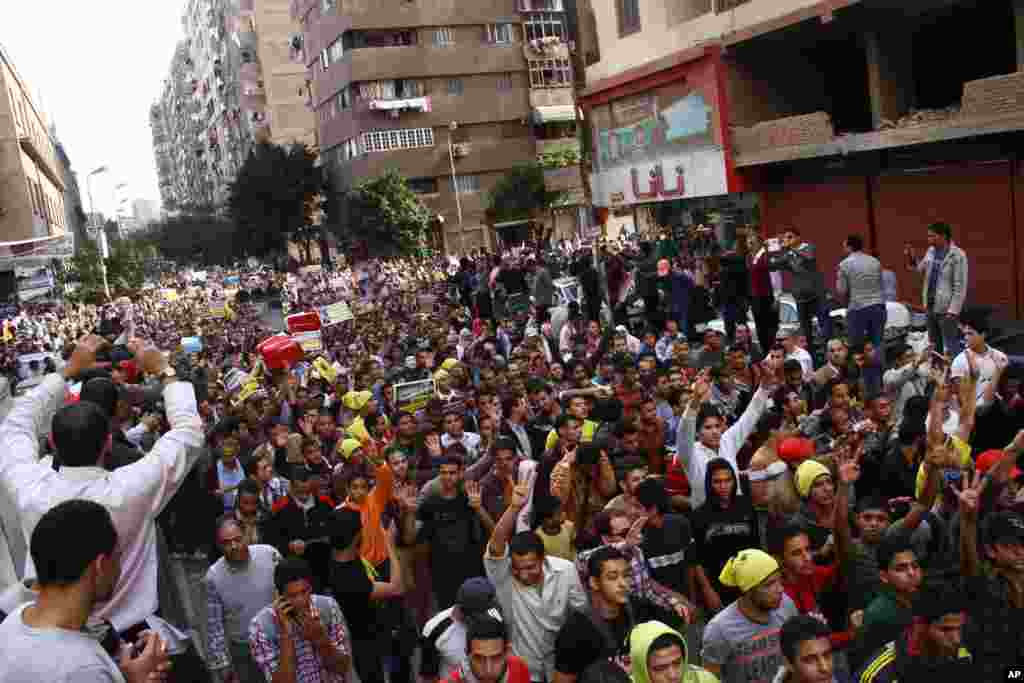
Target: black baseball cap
{"type": "Point", "coordinates": [476, 595]}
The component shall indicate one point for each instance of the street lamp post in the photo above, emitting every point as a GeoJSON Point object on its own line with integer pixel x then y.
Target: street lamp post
{"type": "Point", "coordinates": [455, 184]}
{"type": "Point", "coordinates": [99, 228]}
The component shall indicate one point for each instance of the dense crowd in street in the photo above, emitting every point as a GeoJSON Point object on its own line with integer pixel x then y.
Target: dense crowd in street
{"type": "Point", "coordinates": [458, 473]}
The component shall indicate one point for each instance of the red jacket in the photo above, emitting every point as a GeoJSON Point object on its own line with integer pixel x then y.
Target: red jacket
{"type": "Point", "coordinates": [517, 672]}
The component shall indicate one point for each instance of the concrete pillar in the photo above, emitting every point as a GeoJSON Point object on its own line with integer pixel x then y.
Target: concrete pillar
{"type": "Point", "coordinates": [1018, 22]}
{"type": "Point", "coordinates": [890, 75]}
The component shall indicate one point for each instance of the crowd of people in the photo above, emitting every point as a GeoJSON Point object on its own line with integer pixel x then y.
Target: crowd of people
{"type": "Point", "coordinates": [469, 479]}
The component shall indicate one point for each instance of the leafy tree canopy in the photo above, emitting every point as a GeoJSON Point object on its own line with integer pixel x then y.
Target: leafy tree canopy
{"type": "Point", "coordinates": [521, 193]}
{"type": "Point", "coordinates": [383, 213]}
{"type": "Point", "coordinates": [274, 195]}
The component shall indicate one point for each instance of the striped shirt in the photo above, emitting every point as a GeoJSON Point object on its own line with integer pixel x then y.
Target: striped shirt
{"type": "Point", "coordinates": [860, 278]}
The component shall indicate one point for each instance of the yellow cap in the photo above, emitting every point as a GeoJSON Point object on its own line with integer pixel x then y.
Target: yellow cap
{"type": "Point", "coordinates": [348, 447]}
{"type": "Point", "coordinates": [356, 400]}
{"type": "Point", "coordinates": [808, 471]}
{"type": "Point", "coordinates": [449, 363]}
{"type": "Point", "coordinates": [747, 569]}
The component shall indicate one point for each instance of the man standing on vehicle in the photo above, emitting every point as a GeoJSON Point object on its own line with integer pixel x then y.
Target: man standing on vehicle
{"type": "Point", "coordinates": [945, 271]}
{"type": "Point", "coordinates": [807, 284]}
{"type": "Point", "coordinates": [860, 283]}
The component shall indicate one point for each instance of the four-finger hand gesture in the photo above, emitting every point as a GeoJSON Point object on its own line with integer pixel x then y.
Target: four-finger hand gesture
{"type": "Point", "coordinates": [473, 493]}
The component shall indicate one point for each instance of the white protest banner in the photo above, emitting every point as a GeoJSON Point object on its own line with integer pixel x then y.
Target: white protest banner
{"type": "Point", "coordinates": [413, 396]}
{"type": "Point", "coordinates": [335, 313]}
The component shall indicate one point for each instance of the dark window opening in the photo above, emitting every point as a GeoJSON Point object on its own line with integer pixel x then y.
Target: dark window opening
{"type": "Point", "coordinates": [843, 63]}
{"type": "Point", "coordinates": [423, 185]}
{"type": "Point", "coordinates": [963, 43]}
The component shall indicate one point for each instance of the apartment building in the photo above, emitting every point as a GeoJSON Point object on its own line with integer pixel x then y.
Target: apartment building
{"type": "Point", "coordinates": [834, 116]}
{"type": "Point", "coordinates": [452, 95]}
{"type": "Point", "coordinates": [236, 79]}
{"type": "Point", "coordinates": [32, 183]}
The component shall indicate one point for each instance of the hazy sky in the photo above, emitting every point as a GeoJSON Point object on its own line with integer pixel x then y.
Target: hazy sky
{"type": "Point", "coordinates": [97, 67]}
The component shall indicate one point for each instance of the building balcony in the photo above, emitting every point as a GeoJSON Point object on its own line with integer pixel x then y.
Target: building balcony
{"type": "Point", "coordinates": [551, 97]}
{"type": "Point", "coordinates": [539, 6]}
{"type": "Point", "coordinates": [546, 48]}
{"type": "Point", "coordinates": [374, 63]}
{"type": "Point", "coordinates": [433, 162]}
{"type": "Point", "coordinates": [41, 159]}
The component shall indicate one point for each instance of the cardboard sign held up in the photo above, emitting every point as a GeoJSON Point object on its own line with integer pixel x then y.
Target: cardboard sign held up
{"type": "Point", "coordinates": [413, 396]}
{"type": "Point", "coordinates": [310, 341]}
{"type": "Point", "coordinates": [335, 313]}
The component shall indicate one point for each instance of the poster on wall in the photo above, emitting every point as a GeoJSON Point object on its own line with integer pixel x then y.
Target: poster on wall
{"type": "Point", "coordinates": [656, 146]}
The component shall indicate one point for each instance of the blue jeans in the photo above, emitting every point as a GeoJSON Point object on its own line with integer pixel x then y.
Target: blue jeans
{"type": "Point", "coordinates": [944, 334]}
{"type": "Point", "coordinates": [866, 324]}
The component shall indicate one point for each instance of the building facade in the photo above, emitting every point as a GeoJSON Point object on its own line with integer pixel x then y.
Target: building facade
{"type": "Point", "coordinates": [236, 79]}
{"type": "Point", "coordinates": [74, 212]}
{"type": "Point", "coordinates": [451, 95]}
{"type": "Point", "coordinates": [32, 183]}
{"type": "Point", "coordinates": [833, 116]}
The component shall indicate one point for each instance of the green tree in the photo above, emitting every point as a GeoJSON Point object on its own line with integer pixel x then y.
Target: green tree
{"type": "Point", "coordinates": [522, 194]}
{"type": "Point", "coordinates": [382, 215]}
{"type": "Point", "coordinates": [202, 238]}
{"type": "Point", "coordinates": [125, 270]}
{"type": "Point", "coordinates": [273, 198]}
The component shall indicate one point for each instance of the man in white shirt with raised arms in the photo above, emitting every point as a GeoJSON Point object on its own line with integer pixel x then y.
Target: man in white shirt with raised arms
{"type": "Point", "coordinates": [134, 495]}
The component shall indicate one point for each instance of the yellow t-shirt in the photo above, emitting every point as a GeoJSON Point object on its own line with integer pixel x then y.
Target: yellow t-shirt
{"type": "Point", "coordinates": [562, 544]}
{"type": "Point", "coordinates": [589, 429]}
{"type": "Point", "coordinates": [962, 447]}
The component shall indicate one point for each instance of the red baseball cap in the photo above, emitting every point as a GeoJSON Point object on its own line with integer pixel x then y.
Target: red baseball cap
{"type": "Point", "coordinates": [989, 458]}
{"type": "Point", "coordinates": [795, 449]}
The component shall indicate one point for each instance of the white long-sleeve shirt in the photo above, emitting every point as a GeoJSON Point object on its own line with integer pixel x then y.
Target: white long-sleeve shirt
{"type": "Point", "coordinates": [134, 494]}
{"type": "Point", "coordinates": [695, 456]}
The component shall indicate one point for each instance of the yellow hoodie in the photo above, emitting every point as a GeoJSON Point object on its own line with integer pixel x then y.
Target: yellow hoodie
{"type": "Point", "coordinates": [640, 640]}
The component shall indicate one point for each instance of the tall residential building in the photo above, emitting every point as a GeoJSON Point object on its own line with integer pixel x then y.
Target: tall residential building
{"type": "Point", "coordinates": [831, 116]}
{"type": "Point", "coordinates": [145, 211]}
{"type": "Point", "coordinates": [74, 212]}
{"type": "Point", "coordinates": [235, 79]}
{"type": "Point", "coordinates": [32, 183]}
{"type": "Point", "coordinates": [448, 94]}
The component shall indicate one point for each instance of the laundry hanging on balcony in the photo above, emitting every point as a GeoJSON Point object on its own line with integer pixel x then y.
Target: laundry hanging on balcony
{"type": "Point", "coordinates": [412, 104]}
{"type": "Point", "coordinates": [549, 114]}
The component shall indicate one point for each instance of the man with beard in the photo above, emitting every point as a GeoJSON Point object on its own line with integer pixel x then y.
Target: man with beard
{"type": "Point", "coordinates": [238, 586]}
{"type": "Point", "coordinates": [741, 643]}
{"type": "Point", "coordinates": [298, 523]}
{"type": "Point", "coordinates": [599, 631]}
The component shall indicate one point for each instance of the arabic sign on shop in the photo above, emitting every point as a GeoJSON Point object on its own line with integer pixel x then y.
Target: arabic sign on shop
{"type": "Point", "coordinates": [657, 146]}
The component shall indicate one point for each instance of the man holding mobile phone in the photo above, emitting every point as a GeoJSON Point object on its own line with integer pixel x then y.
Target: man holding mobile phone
{"type": "Point", "coordinates": [300, 637]}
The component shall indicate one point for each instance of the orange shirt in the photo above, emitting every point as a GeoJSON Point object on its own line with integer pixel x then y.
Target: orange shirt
{"type": "Point", "coordinates": [374, 547]}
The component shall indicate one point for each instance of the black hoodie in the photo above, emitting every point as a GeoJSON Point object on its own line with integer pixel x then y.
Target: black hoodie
{"type": "Point", "coordinates": [719, 533]}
